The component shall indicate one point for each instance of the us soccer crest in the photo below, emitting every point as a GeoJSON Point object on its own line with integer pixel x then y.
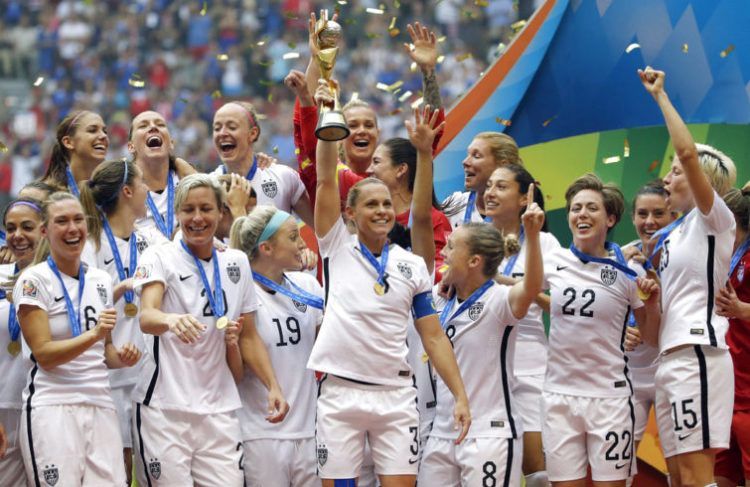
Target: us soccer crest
{"type": "Point", "coordinates": [475, 310]}
{"type": "Point", "coordinates": [301, 307]}
{"type": "Point", "coordinates": [609, 276]}
{"type": "Point", "coordinates": [141, 245]}
{"type": "Point", "coordinates": [322, 454]}
{"type": "Point", "coordinates": [740, 274]}
{"type": "Point", "coordinates": [154, 468]}
{"type": "Point", "coordinates": [102, 292]}
{"type": "Point", "coordinates": [404, 269]}
{"type": "Point", "coordinates": [51, 474]}
{"type": "Point", "coordinates": [233, 271]}
{"type": "Point", "coordinates": [269, 188]}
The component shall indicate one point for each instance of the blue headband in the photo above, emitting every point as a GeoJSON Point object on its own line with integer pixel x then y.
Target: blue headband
{"type": "Point", "coordinates": [273, 225]}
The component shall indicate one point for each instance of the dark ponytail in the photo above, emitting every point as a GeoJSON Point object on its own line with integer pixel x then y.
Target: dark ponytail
{"type": "Point", "coordinates": [56, 171]}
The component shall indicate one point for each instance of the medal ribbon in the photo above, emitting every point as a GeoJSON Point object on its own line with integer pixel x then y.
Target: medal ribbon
{"type": "Point", "coordinates": [14, 328]}
{"type": "Point", "coordinates": [444, 320]}
{"type": "Point", "coordinates": [74, 315]}
{"type": "Point", "coordinates": [215, 298]}
{"type": "Point", "coordinates": [166, 228]}
{"type": "Point", "coordinates": [663, 234]}
{"type": "Point", "coordinates": [250, 174]}
{"type": "Point", "coordinates": [300, 295]}
{"type": "Point", "coordinates": [129, 295]}
{"type": "Point", "coordinates": [379, 266]}
{"type": "Point", "coordinates": [737, 255]}
{"type": "Point", "coordinates": [513, 258]}
{"type": "Point", "coordinates": [72, 185]}
{"type": "Point", "coordinates": [617, 264]}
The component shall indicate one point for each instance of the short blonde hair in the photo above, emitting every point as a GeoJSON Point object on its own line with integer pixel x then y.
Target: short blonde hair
{"type": "Point", "coordinates": [198, 180]}
{"type": "Point", "coordinates": [502, 146]}
{"type": "Point", "coordinates": [718, 167]}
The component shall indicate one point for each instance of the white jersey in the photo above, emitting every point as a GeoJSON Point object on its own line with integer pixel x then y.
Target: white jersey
{"type": "Point", "coordinates": [13, 368]}
{"type": "Point", "coordinates": [193, 378]}
{"type": "Point", "coordinates": [483, 340]}
{"type": "Point", "coordinates": [531, 358]}
{"type": "Point", "coordinates": [363, 336]}
{"type": "Point", "coordinates": [84, 379]}
{"type": "Point", "coordinates": [454, 207]}
{"type": "Point", "coordinates": [278, 185]}
{"type": "Point", "coordinates": [128, 329]}
{"type": "Point", "coordinates": [287, 328]}
{"type": "Point", "coordinates": [161, 201]}
{"type": "Point", "coordinates": [423, 378]}
{"type": "Point", "coordinates": [694, 265]}
{"type": "Point", "coordinates": [590, 303]}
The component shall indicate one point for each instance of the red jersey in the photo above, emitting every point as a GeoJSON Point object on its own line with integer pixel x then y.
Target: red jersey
{"type": "Point", "coordinates": [738, 337]}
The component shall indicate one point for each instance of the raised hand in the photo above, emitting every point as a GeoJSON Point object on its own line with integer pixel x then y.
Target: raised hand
{"type": "Point", "coordinates": [425, 52]}
{"type": "Point", "coordinates": [652, 80]}
{"type": "Point", "coordinates": [238, 195]}
{"type": "Point", "coordinates": [296, 82]}
{"type": "Point", "coordinates": [423, 130]}
{"type": "Point", "coordinates": [533, 216]}
{"type": "Point", "coordinates": [314, 29]}
{"type": "Point", "coordinates": [324, 96]}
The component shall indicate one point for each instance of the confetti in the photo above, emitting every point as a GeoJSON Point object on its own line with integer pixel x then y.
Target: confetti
{"type": "Point", "coordinates": [216, 94]}
{"type": "Point", "coordinates": [392, 25]}
{"type": "Point", "coordinates": [3, 148]}
{"type": "Point", "coordinates": [626, 149]}
{"type": "Point", "coordinates": [204, 9]}
{"type": "Point", "coordinates": [341, 2]}
{"type": "Point", "coordinates": [292, 45]}
{"type": "Point", "coordinates": [382, 86]}
{"type": "Point", "coordinates": [517, 26]}
{"type": "Point", "coordinates": [503, 121]}
{"type": "Point", "coordinates": [425, 358]}
{"type": "Point", "coordinates": [290, 55]}
{"type": "Point", "coordinates": [413, 67]}
{"type": "Point", "coordinates": [291, 15]}
{"type": "Point", "coordinates": [266, 64]}
{"type": "Point", "coordinates": [653, 166]}
{"type": "Point", "coordinates": [727, 51]}
{"type": "Point", "coordinates": [685, 48]}
{"type": "Point", "coordinates": [481, 3]}
{"type": "Point", "coordinates": [548, 121]}
{"type": "Point", "coordinates": [405, 96]}
{"type": "Point", "coordinates": [265, 82]}
{"type": "Point", "coordinates": [270, 98]}
{"type": "Point", "coordinates": [355, 96]}
{"type": "Point", "coordinates": [296, 151]}
{"type": "Point", "coordinates": [39, 81]}
{"type": "Point", "coordinates": [394, 32]}
{"type": "Point", "coordinates": [441, 39]}
{"type": "Point", "coordinates": [611, 160]}
{"type": "Point", "coordinates": [395, 112]}
{"type": "Point", "coordinates": [261, 43]}
{"type": "Point", "coordinates": [396, 4]}
{"type": "Point", "coordinates": [372, 35]}
{"type": "Point", "coordinates": [262, 116]}
{"type": "Point", "coordinates": [275, 149]}
{"type": "Point", "coordinates": [417, 103]}
{"type": "Point", "coordinates": [222, 57]}
{"type": "Point", "coordinates": [374, 11]}
{"type": "Point", "coordinates": [398, 84]}
{"type": "Point", "coordinates": [463, 57]}
{"type": "Point", "coordinates": [632, 47]}
{"type": "Point", "coordinates": [440, 59]}
{"type": "Point", "coordinates": [136, 81]}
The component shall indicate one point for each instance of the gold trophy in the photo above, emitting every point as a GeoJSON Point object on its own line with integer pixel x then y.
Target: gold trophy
{"type": "Point", "coordinates": [331, 122]}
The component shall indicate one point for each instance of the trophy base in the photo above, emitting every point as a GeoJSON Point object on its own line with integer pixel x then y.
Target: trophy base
{"type": "Point", "coordinates": [332, 126]}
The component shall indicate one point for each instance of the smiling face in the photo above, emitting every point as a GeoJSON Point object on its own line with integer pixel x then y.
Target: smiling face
{"type": "Point", "coordinates": [502, 198]}
{"type": "Point", "coordinates": [359, 147]}
{"type": "Point", "coordinates": [588, 220]}
{"type": "Point", "coordinates": [234, 133]}
{"type": "Point", "coordinates": [199, 216]}
{"type": "Point", "coordinates": [138, 192]}
{"type": "Point", "coordinates": [679, 196]}
{"type": "Point", "coordinates": [150, 136]}
{"type": "Point", "coordinates": [285, 247]}
{"type": "Point", "coordinates": [478, 165]}
{"type": "Point", "coordinates": [651, 213]}
{"type": "Point", "coordinates": [382, 168]}
{"type": "Point", "coordinates": [23, 232]}
{"type": "Point", "coordinates": [372, 213]}
{"type": "Point", "coordinates": [88, 140]}
{"type": "Point", "coordinates": [458, 257]}
{"type": "Point", "coordinates": [66, 229]}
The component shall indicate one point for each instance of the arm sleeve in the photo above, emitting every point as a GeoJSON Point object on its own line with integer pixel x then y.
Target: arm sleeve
{"type": "Point", "coordinates": [720, 219]}
{"type": "Point", "coordinates": [150, 269]}
{"type": "Point", "coordinates": [32, 290]}
{"type": "Point", "coordinates": [249, 297]}
{"type": "Point", "coordinates": [305, 120]}
{"type": "Point", "coordinates": [334, 239]}
{"type": "Point", "coordinates": [441, 229]}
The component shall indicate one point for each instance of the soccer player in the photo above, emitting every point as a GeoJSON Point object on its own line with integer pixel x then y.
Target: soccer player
{"type": "Point", "coordinates": [368, 391]}
{"type": "Point", "coordinates": [694, 380]}
{"type": "Point", "coordinates": [69, 431]}
{"type": "Point", "coordinates": [587, 410]}
{"type": "Point", "coordinates": [505, 202]}
{"type": "Point", "coordinates": [22, 223]}
{"type": "Point", "coordinates": [289, 313]}
{"type": "Point", "coordinates": [197, 309]}
{"type": "Point", "coordinates": [113, 199]}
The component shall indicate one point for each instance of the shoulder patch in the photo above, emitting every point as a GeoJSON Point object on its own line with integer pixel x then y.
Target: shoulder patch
{"type": "Point", "coordinates": [29, 289]}
{"type": "Point", "coordinates": [102, 292]}
{"type": "Point", "coordinates": [405, 270]}
{"type": "Point", "coordinates": [233, 271]}
{"type": "Point", "coordinates": [143, 271]}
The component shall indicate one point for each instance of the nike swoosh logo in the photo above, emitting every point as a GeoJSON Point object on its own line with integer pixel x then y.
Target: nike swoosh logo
{"type": "Point", "coordinates": [682, 437]}
{"type": "Point", "coordinates": [561, 267]}
{"type": "Point", "coordinates": [57, 300]}
{"type": "Point", "coordinates": [619, 466]}
{"type": "Point", "coordinates": [107, 262]}
{"type": "Point", "coordinates": [182, 278]}
{"type": "Point", "coordinates": [412, 462]}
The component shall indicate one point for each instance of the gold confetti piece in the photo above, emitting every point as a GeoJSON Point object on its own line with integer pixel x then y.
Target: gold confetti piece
{"type": "Point", "coordinates": [270, 98]}
{"type": "Point", "coordinates": [291, 15]}
{"type": "Point", "coordinates": [417, 103]}
{"type": "Point", "coordinates": [396, 91]}
{"type": "Point", "coordinates": [136, 82]}
{"type": "Point", "coordinates": [222, 57]}
{"type": "Point", "coordinates": [548, 121]}
{"type": "Point", "coordinates": [3, 148]}
{"type": "Point", "coordinates": [216, 94]}
{"type": "Point", "coordinates": [441, 39]}
{"type": "Point", "coordinates": [395, 112]}
{"type": "Point", "coordinates": [611, 160]}
{"type": "Point", "coordinates": [392, 25]}
{"type": "Point", "coordinates": [398, 84]}
{"type": "Point", "coordinates": [39, 81]}
{"type": "Point", "coordinates": [382, 86]}
{"type": "Point", "coordinates": [517, 26]}
{"type": "Point", "coordinates": [481, 3]}
{"type": "Point", "coordinates": [626, 149]}
{"type": "Point", "coordinates": [372, 35]}
{"type": "Point", "coordinates": [262, 116]}
{"type": "Point", "coordinates": [290, 55]}
{"type": "Point", "coordinates": [405, 96]}
{"type": "Point", "coordinates": [396, 4]}
{"type": "Point", "coordinates": [341, 2]}
{"type": "Point", "coordinates": [296, 151]}
{"type": "Point", "coordinates": [632, 47]}
{"type": "Point", "coordinates": [394, 32]}
{"type": "Point", "coordinates": [275, 149]}
{"type": "Point", "coordinates": [463, 57]}
{"type": "Point", "coordinates": [503, 121]}
{"type": "Point", "coordinates": [292, 45]}
{"type": "Point", "coordinates": [443, 268]}
{"type": "Point", "coordinates": [425, 357]}
{"type": "Point", "coordinates": [685, 48]}
{"type": "Point", "coordinates": [515, 5]}
{"type": "Point", "coordinates": [413, 67]}
{"type": "Point", "coordinates": [355, 96]}
{"type": "Point", "coordinates": [374, 11]}
{"type": "Point", "coordinates": [204, 9]}
{"type": "Point", "coordinates": [260, 43]}
{"type": "Point", "coordinates": [726, 52]}
{"type": "Point", "coordinates": [266, 64]}
{"type": "Point", "coordinates": [440, 59]}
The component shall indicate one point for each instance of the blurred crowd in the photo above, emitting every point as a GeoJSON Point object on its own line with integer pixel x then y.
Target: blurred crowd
{"type": "Point", "coordinates": [185, 58]}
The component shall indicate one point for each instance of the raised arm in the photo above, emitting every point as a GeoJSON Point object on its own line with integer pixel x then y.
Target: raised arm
{"type": "Point", "coordinates": [422, 134]}
{"type": "Point", "coordinates": [327, 204]}
{"type": "Point", "coordinates": [523, 293]}
{"type": "Point", "coordinates": [682, 141]}
{"type": "Point", "coordinates": [425, 54]}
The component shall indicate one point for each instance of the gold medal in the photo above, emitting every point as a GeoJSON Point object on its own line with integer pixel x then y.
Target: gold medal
{"type": "Point", "coordinates": [379, 289]}
{"type": "Point", "coordinates": [131, 310]}
{"type": "Point", "coordinates": [222, 323]}
{"type": "Point", "coordinates": [642, 295]}
{"type": "Point", "coordinates": [14, 348]}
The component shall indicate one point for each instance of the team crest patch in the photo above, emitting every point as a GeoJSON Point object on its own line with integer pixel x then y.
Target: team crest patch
{"type": "Point", "coordinates": [475, 310]}
{"type": "Point", "coordinates": [404, 269]}
{"type": "Point", "coordinates": [740, 274]}
{"type": "Point", "coordinates": [102, 291]}
{"type": "Point", "coordinates": [29, 289]}
{"type": "Point", "coordinates": [609, 276]}
{"type": "Point", "coordinates": [141, 245]}
{"type": "Point", "coordinates": [269, 188]}
{"type": "Point", "coordinates": [154, 468]}
{"type": "Point", "coordinates": [301, 307]}
{"type": "Point", "coordinates": [142, 272]}
{"type": "Point", "coordinates": [322, 454]}
{"type": "Point", "coordinates": [233, 271]}
{"type": "Point", "coordinates": [51, 474]}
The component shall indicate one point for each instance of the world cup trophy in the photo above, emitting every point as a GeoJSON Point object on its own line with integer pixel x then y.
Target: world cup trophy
{"type": "Point", "coordinates": [331, 122]}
